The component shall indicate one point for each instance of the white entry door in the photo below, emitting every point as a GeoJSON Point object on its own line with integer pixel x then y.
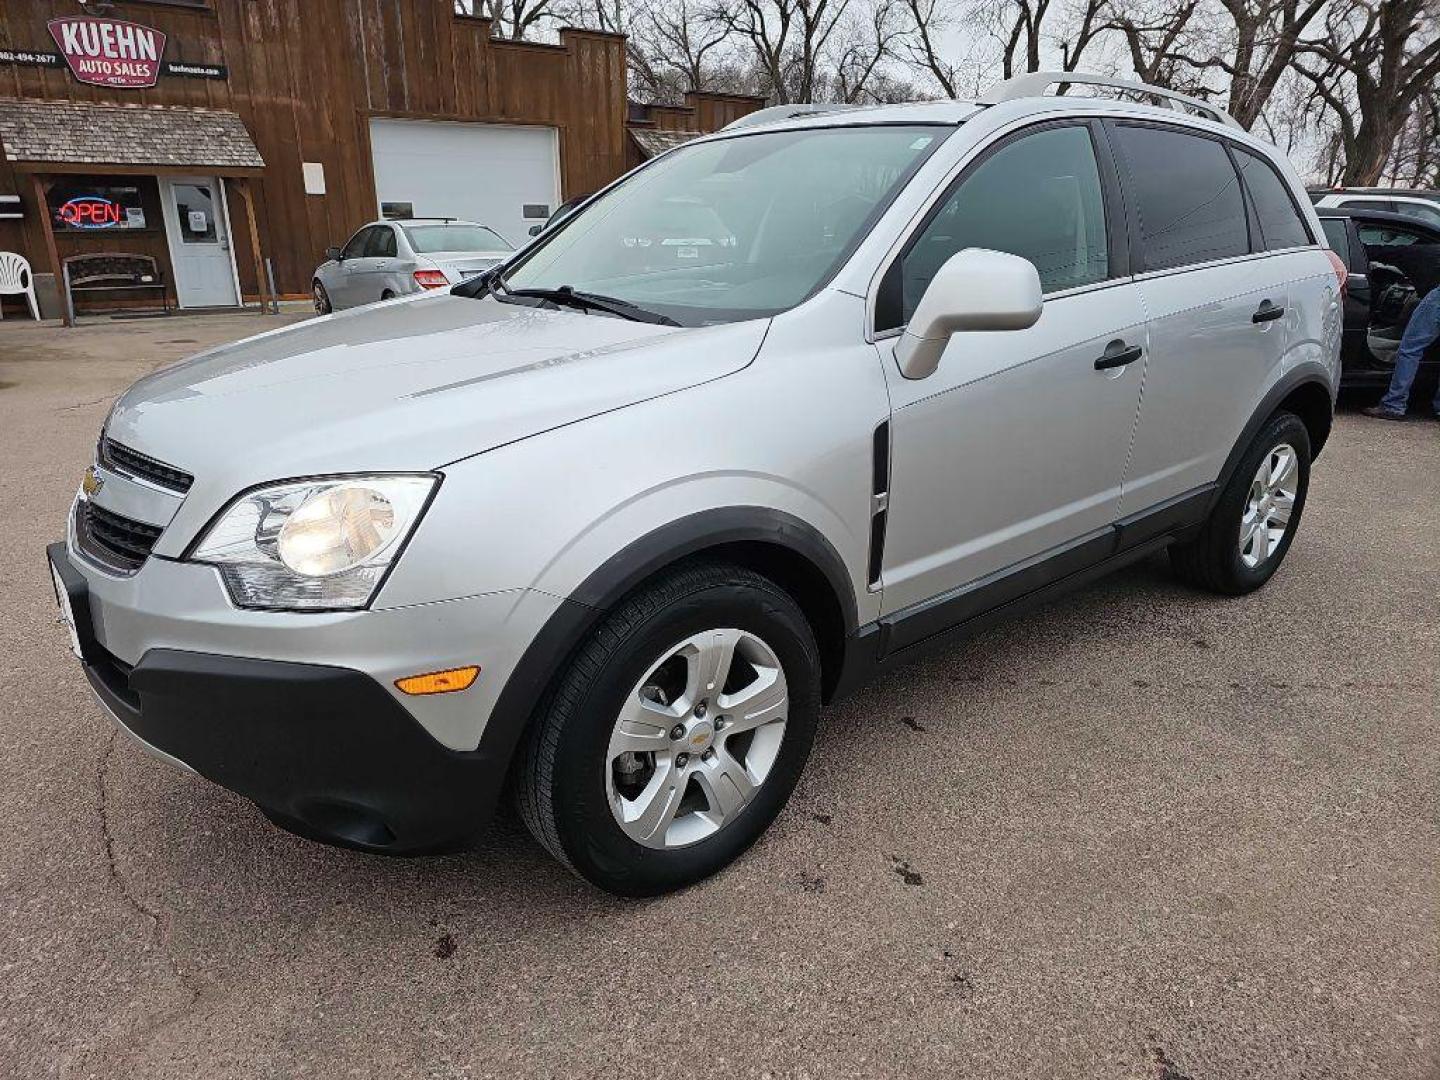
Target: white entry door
{"type": "Point", "coordinates": [198, 229]}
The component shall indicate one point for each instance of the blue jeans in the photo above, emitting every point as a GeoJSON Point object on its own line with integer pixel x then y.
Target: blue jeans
{"type": "Point", "coordinates": [1420, 334]}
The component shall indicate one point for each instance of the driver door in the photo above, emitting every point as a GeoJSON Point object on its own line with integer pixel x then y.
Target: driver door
{"type": "Point", "coordinates": [1012, 453]}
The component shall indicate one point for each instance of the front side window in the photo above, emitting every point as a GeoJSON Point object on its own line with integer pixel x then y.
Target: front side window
{"type": "Point", "coordinates": [454, 236]}
{"type": "Point", "coordinates": [1186, 195]}
{"type": "Point", "coordinates": [1280, 222]}
{"type": "Point", "coordinates": [355, 246]}
{"type": "Point", "coordinates": [735, 228]}
{"type": "Point", "coordinates": [1038, 197]}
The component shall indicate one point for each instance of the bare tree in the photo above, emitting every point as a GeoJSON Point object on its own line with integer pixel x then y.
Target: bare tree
{"type": "Point", "coordinates": [678, 45]}
{"type": "Point", "coordinates": [1158, 41]}
{"type": "Point", "coordinates": [787, 40]}
{"type": "Point", "coordinates": [1388, 53]}
{"type": "Point", "coordinates": [862, 46]}
{"type": "Point", "coordinates": [925, 22]}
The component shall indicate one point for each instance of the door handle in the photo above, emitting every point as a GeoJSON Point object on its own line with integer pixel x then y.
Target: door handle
{"type": "Point", "coordinates": [1117, 354]}
{"type": "Point", "coordinates": [1267, 312]}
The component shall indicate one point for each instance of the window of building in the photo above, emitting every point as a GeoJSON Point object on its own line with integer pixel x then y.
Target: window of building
{"type": "Point", "coordinates": [84, 204]}
{"type": "Point", "coordinates": [1187, 196]}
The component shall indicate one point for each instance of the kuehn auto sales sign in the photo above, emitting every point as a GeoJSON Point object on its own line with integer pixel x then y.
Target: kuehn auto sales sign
{"type": "Point", "coordinates": [109, 52]}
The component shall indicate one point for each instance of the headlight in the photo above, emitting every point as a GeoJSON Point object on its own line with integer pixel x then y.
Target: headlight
{"type": "Point", "coordinates": [313, 544]}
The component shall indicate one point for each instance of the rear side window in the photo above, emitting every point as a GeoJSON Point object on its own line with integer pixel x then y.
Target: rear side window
{"type": "Point", "coordinates": [1369, 204]}
{"type": "Point", "coordinates": [381, 244]}
{"type": "Point", "coordinates": [1038, 197]}
{"type": "Point", "coordinates": [1187, 197]}
{"type": "Point", "coordinates": [1280, 221]}
{"type": "Point", "coordinates": [1429, 214]}
{"type": "Point", "coordinates": [1337, 236]}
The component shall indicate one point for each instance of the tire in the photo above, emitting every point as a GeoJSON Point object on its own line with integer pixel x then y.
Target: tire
{"type": "Point", "coordinates": [387, 295]}
{"type": "Point", "coordinates": [569, 781]}
{"type": "Point", "coordinates": [321, 299]}
{"type": "Point", "coordinates": [1221, 559]}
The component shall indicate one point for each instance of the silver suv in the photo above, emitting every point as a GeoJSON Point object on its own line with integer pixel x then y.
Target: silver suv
{"type": "Point", "coordinates": [607, 525]}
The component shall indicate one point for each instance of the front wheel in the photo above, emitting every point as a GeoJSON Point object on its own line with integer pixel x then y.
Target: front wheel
{"type": "Point", "coordinates": [677, 734]}
{"type": "Point", "coordinates": [1246, 536]}
{"type": "Point", "coordinates": [321, 299]}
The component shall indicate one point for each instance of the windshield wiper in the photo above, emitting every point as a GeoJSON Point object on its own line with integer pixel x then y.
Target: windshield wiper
{"type": "Point", "coordinates": [568, 296]}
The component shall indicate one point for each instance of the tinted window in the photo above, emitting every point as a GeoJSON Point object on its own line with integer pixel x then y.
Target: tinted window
{"type": "Point", "coordinates": [1187, 196]}
{"type": "Point", "coordinates": [1369, 204]}
{"type": "Point", "coordinates": [355, 247]}
{"type": "Point", "coordinates": [1372, 235]}
{"type": "Point", "coordinates": [1337, 236]}
{"type": "Point", "coordinates": [1430, 214]}
{"type": "Point", "coordinates": [1279, 220]}
{"type": "Point", "coordinates": [1038, 197]}
{"type": "Point", "coordinates": [381, 244]}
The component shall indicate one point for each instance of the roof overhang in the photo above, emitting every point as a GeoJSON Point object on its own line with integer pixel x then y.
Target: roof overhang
{"type": "Point", "coordinates": [83, 137]}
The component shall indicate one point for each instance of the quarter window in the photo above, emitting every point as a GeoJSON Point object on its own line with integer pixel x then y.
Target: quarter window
{"type": "Point", "coordinates": [1279, 220]}
{"type": "Point", "coordinates": [1187, 197]}
{"type": "Point", "coordinates": [1038, 197]}
{"type": "Point", "coordinates": [1336, 236]}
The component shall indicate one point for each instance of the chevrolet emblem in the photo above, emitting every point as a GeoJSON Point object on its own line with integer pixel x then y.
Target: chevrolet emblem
{"type": "Point", "coordinates": [91, 482]}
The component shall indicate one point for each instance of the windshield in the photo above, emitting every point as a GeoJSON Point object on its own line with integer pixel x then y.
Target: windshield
{"type": "Point", "coordinates": [733, 229]}
{"type": "Point", "coordinates": [455, 237]}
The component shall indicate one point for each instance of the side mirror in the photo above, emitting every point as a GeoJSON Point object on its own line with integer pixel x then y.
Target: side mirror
{"type": "Point", "coordinates": [975, 289]}
{"type": "Point", "coordinates": [536, 230]}
{"type": "Point", "coordinates": [333, 254]}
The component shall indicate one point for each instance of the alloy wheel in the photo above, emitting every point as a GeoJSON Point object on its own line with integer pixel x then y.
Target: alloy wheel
{"type": "Point", "coordinates": [1269, 505]}
{"type": "Point", "coordinates": [696, 738]}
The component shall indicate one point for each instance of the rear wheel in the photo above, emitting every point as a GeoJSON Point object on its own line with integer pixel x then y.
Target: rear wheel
{"type": "Point", "coordinates": [1247, 534]}
{"type": "Point", "coordinates": [677, 734]}
{"type": "Point", "coordinates": [321, 299]}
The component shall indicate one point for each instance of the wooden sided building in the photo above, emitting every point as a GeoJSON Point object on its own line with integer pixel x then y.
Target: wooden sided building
{"type": "Point", "coordinates": [213, 135]}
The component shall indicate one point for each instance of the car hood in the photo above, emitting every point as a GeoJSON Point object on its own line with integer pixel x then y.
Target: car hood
{"type": "Point", "coordinates": [409, 385]}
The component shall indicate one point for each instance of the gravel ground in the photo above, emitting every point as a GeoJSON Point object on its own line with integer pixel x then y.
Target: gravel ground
{"type": "Point", "coordinates": [1144, 833]}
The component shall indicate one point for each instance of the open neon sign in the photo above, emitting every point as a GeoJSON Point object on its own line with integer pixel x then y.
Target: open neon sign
{"type": "Point", "coordinates": [91, 212]}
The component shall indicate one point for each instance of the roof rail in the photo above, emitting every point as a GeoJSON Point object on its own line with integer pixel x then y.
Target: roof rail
{"type": "Point", "coordinates": [776, 113]}
{"type": "Point", "coordinates": [1035, 83]}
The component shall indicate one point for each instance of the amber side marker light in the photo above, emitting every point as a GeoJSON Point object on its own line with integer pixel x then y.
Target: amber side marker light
{"type": "Point", "coordinates": [439, 682]}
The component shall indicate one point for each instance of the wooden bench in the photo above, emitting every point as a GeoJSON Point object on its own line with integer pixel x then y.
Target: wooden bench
{"type": "Point", "coordinates": [106, 271]}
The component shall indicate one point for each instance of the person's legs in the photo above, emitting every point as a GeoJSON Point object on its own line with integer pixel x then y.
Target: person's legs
{"type": "Point", "coordinates": [1420, 334]}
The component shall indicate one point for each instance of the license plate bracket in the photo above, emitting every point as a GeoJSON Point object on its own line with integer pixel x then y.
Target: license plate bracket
{"type": "Point", "coordinates": [72, 598]}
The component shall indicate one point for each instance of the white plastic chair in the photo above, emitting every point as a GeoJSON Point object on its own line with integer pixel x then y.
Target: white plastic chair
{"type": "Point", "coordinates": [16, 278]}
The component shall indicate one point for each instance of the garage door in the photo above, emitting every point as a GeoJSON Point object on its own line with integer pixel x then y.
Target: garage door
{"type": "Point", "coordinates": [501, 176]}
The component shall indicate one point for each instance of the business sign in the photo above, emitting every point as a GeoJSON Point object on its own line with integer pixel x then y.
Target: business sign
{"type": "Point", "coordinates": [109, 52]}
{"type": "Point", "coordinates": [107, 207]}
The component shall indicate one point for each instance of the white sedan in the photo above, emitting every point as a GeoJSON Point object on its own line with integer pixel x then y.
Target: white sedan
{"type": "Point", "coordinates": [385, 259]}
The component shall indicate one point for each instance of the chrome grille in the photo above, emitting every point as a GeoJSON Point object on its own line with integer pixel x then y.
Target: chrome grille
{"type": "Point", "coordinates": [120, 457]}
{"type": "Point", "coordinates": [112, 540]}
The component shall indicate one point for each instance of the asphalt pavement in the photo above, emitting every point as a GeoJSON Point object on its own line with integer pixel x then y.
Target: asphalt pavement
{"type": "Point", "coordinates": [1144, 834]}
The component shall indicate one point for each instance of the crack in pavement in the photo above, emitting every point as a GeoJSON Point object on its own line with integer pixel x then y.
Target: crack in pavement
{"type": "Point", "coordinates": [159, 920]}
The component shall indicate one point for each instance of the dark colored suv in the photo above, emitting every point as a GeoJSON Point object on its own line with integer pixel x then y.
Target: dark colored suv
{"type": "Point", "coordinates": [1380, 296]}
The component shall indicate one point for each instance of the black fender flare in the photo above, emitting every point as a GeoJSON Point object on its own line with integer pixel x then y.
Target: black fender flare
{"type": "Point", "coordinates": [1308, 374]}
{"type": "Point", "coordinates": [578, 614]}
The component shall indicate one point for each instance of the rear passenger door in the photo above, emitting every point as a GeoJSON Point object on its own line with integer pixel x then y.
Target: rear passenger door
{"type": "Point", "coordinates": [1219, 304]}
{"type": "Point", "coordinates": [1014, 448]}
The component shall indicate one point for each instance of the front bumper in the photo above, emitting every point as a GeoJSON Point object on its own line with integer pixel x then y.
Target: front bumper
{"type": "Point", "coordinates": [319, 740]}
